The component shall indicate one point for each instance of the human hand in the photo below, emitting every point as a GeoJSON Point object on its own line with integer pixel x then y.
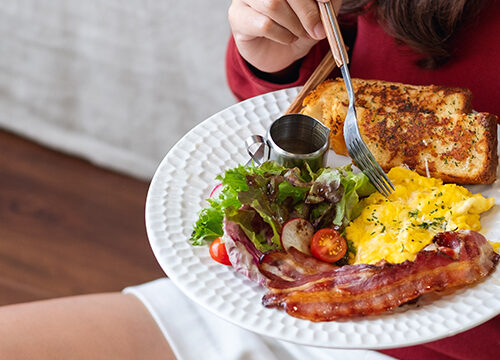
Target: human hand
{"type": "Point", "coordinates": [272, 34]}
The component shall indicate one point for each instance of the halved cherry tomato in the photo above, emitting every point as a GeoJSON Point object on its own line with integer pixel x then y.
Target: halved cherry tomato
{"type": "Point", "coordinates": [218, 252]}
{"type": "Point", "coordinates": [328, 245]}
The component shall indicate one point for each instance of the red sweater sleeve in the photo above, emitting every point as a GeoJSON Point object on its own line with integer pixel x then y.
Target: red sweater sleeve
{"type": "Point", "coordinates": [245, 84]}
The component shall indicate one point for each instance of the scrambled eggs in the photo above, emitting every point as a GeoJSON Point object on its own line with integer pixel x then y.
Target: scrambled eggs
{"type": "Point", "coordinates": [398, 227]}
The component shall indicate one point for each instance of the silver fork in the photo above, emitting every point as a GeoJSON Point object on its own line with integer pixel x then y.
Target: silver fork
{"type": "Point", "coordinates": [356, 147]}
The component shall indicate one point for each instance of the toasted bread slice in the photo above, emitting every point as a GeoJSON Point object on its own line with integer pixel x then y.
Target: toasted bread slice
{"type": "Point", "coordinates": [430, 129]}
{"type": "Point", "coordinates": [328, 102]}
{"type": "Point", "coordinates": [459, 148]}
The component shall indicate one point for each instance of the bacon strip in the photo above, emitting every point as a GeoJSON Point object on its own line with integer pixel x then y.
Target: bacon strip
{"type": "Point", "coordinates": [453, 259]}
{"type": "Point", "coordinates": [291, 265]}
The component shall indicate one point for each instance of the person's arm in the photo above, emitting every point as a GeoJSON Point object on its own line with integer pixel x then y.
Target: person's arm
{"type": "Point", "coordinates": [102, 326]}
{"type": "Point", "coordinates": [245, 81]}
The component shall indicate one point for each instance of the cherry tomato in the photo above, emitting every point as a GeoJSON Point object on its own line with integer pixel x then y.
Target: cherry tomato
{"type": "Point", "coordinates": [218, 252]}
{"type": "Point", "coordinates": [328, 245]}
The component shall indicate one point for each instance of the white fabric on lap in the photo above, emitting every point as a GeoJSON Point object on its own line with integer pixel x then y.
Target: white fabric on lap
{"type": "Point", "coordinates": [194, 333]}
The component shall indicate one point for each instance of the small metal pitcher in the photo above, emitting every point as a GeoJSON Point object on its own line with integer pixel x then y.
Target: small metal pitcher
{"type": "Point", "coordinates": [292, 140]}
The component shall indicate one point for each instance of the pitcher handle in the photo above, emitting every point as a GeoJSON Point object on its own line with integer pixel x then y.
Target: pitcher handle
{"type": "Point", "coordinates": [257, 153]}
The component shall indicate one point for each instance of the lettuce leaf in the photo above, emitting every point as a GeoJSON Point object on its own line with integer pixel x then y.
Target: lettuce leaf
{"type": "Point", "coordinates": [209, 223]}
{"type": "Point", "coordinates": [208, 226]}
{"type": "Point", "coordinates": [288, 191]}
{"type": "Point", "coordinates": [261, 197]}
{"type": "Point", "coordinates": [257, 231]}
{"type": "Point", "coordinates": [356, 186]}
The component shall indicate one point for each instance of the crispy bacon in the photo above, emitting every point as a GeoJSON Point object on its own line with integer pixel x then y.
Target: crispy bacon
{"type": "Point", "coordinates": [453, 259]}
{"type": "Point", "coordinates": [291, 265]}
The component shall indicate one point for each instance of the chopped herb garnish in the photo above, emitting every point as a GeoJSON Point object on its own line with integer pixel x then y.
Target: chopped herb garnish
{"type": "Point", "coordinates": [413, 213]}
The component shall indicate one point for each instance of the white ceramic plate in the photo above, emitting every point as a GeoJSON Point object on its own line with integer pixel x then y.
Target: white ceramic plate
{"type": "Point", "coordinates": [178, 191]}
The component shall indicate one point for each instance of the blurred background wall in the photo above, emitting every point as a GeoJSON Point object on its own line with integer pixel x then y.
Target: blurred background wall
{"type": "Point", "coordinates": [116, 82]}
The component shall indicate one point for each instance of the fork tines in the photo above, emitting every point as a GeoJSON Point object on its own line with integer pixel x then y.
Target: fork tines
{"type": "Point", "coordinates": [367, 163]}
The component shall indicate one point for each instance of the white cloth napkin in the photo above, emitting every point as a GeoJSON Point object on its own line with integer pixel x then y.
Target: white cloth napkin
{"type": "Point", "coordinates": [194, 333]}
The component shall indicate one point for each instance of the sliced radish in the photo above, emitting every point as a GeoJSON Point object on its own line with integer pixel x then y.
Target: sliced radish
{"type": "Point", "coordinates": [297, 233]}
{"type": "Point", "coordinates": [216, 191]}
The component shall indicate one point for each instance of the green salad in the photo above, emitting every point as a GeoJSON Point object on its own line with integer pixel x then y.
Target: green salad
{"type": "Point", "coordinates": [261, 199]}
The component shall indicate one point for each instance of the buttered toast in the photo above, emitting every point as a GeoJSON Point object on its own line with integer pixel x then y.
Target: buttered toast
{"type": "Point", "coordinates": [430, 129]}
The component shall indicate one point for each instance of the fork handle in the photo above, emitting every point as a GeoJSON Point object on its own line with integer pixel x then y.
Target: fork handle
{"type": "Point", "coordinates": [332, 29]}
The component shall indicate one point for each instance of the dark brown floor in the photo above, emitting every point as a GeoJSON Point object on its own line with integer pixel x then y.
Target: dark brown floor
{"type": "Point", "coordinates": [67, 227]}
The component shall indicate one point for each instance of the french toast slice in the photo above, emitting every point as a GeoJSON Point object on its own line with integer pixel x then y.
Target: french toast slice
{"type": "Point", "coordinates": [430, 129]}
{"type": "Point", "coordinates": [328, 102]}
{"type": "Point", "coordinates": [459, 148]}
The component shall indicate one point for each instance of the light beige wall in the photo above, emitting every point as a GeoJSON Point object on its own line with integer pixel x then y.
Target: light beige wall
{"type": "Point", "coordinates": [117, 82]}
